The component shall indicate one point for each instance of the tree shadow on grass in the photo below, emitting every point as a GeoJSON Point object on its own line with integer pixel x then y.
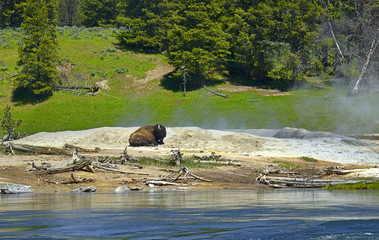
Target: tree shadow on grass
{"type": "Point", "coordinates": [23, 96]}
{"type": "Point", "coordinates": [174, 82]}
{"type": "Point", "coordinates": [267, 83]}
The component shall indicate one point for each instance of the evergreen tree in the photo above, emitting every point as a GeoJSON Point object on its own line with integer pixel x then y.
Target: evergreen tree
{"type": "Point", "coordinates": [146, 23]}
{"type": "Point", "coordinates": [38, 53]}
{"type": "Point", "coordinates": [99, 12]}
{"type": "Point", "coordinates": [197, 42]}
{"type": "Point", "coordinates": [10, 13]}
{"type": "Point", "coordinates": [69, 12]}
{"type": "Point", "coordinates": [272, 40]}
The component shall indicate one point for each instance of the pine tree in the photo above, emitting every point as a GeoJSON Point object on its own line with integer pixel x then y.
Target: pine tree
{"type": "Point", "coordinates": [38, 53]}
{"type": "Point", "coordinates": [198, 43]}
{"type": "Point", "coordinates": [10, 14]}
{"type": "Point", "coordinates": [69, 12]}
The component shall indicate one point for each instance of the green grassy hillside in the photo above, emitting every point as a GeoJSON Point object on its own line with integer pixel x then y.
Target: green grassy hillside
{"type": "Point", "coordinates": [137, 96]}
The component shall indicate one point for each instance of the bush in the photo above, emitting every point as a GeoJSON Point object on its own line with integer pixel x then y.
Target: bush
{"type": "Point", "coordinates": [8, 124]}
{"type": "Point", "coordinates": [121, 70]}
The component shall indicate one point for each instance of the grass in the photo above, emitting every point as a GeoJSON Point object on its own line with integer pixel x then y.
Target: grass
{"type": "Point", "coordinates": [188, 162]}
{"type": "Point", "coordinates": [285, 164]}
{"type": "Point", "coordinates": [93, 55]}
{"type": "Point", "coordinates": [309, 159]}
{"type": "Point", "coordinates": [356, 186]}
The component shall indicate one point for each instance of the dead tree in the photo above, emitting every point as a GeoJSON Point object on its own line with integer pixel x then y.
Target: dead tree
{"type": "Point", "coordinates": [185, 75]}
{"type": "Point", "coordinates": [374, 44]}
{"type": "Point", "coordinates": [336, 42]}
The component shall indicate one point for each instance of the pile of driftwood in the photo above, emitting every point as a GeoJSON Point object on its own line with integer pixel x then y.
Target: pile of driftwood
{"type": "Point", "coordinates": [315, 181]}
{"type": "Point", "coordinates": [88, 164]}
{"type": "Point", "coordinates": [93, 164]}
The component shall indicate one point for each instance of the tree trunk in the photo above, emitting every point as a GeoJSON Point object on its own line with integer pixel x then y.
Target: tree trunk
{"type": "Point", "coordinates": [336, 42]}
{"type": "Point", "coordinates": [374, 44]}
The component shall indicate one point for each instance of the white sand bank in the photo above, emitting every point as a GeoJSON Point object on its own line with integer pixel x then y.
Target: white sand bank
{"type": "Point", "coordinates": [327, 147]}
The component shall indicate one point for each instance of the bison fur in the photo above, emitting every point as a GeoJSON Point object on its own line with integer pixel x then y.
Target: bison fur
{"type": "Point", "coordinates": [148, 135]}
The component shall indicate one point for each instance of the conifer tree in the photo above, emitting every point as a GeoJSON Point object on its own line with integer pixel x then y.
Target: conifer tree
{"type": "Point", "coordinates": [38, 52]}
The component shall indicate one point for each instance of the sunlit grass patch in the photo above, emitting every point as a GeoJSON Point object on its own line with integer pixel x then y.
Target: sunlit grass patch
{"type": "Point", "coordinates": [285, 164]}
{"type": "Point", "coordinates": [356, 186]}
{"type": "Point", "coordinates": [309, 159]}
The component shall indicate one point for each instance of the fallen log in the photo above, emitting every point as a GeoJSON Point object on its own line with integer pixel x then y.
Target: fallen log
{"type": "Point", "coordinates": [77, 180]}
{"type": "Point", "coordinates": [68, 146]}
{"type": "Point", "coordinates": [185, 172]}
{"type": "Point", "coordinates": [216, 93]}
{"type": "Point", "coordinates": [200, 178]}
{"type": "Point", "coordinates": [30, 149]}
{"type": "Point", "coordinates": [281, 182]}
{"type": "Point", "coordinates": [72, 165]}
{"type": "Point", "coordinates": [13, 147]}
{"type": "Point", "coordinates": [117, 170]}
{"type": "Point", "coordinates": [75, 164]}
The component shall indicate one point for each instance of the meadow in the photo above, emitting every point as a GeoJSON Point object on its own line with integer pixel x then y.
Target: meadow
{"type": "Point", "coordinates": [89, 55]}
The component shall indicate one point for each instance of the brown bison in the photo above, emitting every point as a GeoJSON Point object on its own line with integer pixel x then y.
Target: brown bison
{"type": "Point", "coordinates": [148, 135]}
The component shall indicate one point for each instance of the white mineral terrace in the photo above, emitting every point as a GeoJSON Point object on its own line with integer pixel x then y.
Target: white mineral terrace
{"type": "Point", "coordinates": [249, 142]}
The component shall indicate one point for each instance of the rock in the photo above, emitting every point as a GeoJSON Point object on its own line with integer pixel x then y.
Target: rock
{"type": "Point", "coordinates": [84, 189]}
{"type": "Point", "coordinates": [15, 189]}
{"type": "Point", "coordinates": [121, 189]}
{"type": "Point", "coordinates": [160, 183]}
{"type": "Point", "coordinates": [300, 133]}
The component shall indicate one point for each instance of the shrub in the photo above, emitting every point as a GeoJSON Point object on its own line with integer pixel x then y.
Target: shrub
{"type": "Point", "coordinates": [8, 124]}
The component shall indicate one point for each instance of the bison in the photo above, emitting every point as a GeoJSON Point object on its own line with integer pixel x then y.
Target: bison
{"type": "Point", "coordinates": [148, 135]}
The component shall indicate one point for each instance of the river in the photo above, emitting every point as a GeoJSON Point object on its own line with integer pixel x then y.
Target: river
{"type": "Point", "coordinates": [211, 214]}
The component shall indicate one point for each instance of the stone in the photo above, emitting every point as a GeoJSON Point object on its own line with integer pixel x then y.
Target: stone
{"type": "Point", "coordinates": [84, 189]}
{"type": "Point", "coordinates": [15, 189]}
{"type": "Point", "coordinates": [121, 189]}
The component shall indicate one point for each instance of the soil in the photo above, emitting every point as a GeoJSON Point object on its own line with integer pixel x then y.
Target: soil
{"type": "Point", "coordinates": [263, 92]}
{"type": "Point", "coordinates": [18, 170]}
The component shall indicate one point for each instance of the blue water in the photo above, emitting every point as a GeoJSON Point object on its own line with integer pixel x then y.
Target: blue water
{"type": "Point", "coordinates": [212, 214]}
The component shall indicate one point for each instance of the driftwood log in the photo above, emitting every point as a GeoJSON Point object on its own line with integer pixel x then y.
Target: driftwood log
{"type": "Point", "coordinates": [77, 180]}
{"type": "Point", "coordinates": [73, 165]}
{"type": "Point", "coordinates": [11, 147]}
{"type": "Point", "coordinates": [283, 182]}
{"type": "Point", "coordinates": [97, 165]}
{"type": "Point", "coordinates": [184, 172]}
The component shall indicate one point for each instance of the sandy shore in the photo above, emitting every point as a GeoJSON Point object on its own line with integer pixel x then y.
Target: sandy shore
{"type": "Point", "coordinates": [255, 150]}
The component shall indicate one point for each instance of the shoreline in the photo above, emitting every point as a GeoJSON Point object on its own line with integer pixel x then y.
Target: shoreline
{"type": "Point", "coordinates": [19, 171]}
{"type": "Point", "coordinates": [255, 155]}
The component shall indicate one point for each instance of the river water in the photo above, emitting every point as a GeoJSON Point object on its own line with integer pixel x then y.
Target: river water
{"type": "Point", "coordinates": [211, 214]}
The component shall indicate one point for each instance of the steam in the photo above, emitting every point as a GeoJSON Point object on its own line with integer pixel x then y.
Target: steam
{"type": "Point", "coordinates": [357, 114]}
{"type": "Point", "coordinates": [328, 110]}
